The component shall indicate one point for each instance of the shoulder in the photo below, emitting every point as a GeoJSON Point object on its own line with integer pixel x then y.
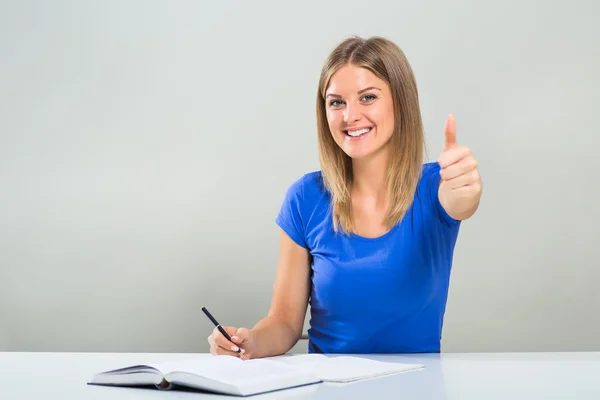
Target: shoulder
{"type": "Point", "coordinates": [308, 186]}
{"type": "Point", "coordinates": [430, 177]}
{"type": "Point", "coordinates": [427, 192]}
{"type": "Point", "coordinates": [429, 169]}
{"type": "Point", "coordinates": [303, 196]}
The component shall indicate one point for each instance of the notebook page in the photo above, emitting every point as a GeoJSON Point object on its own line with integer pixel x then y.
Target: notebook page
{"type": "Point", "coordinates": [348, 368]}
{"type": "Point", "coordinates": [230, 369]}
{"type": "Point", "coordinates": [304, 361]}
{"type": "Point", "coordinates": [191, 362]}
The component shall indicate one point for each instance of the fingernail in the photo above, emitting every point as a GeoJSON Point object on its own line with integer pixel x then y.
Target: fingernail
{"type": "Point", "coordinates": [234, 348]}
{"type": "Point", "coordinates": [243, 351]}
{"type": "Point", "coordinates": [235, 338]}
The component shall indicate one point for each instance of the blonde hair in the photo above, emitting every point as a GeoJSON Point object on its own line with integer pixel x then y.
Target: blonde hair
{"type": "Point", "coordinates": [387, 61]}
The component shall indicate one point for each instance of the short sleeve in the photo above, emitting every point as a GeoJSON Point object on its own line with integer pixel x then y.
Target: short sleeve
{"type": "Point", "coordinates": [432, 177]}
{"type": "Point", "coordinates": [290, 215]}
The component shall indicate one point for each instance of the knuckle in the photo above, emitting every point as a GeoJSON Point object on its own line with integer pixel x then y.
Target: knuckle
{"type": "Point", "coordinates": [243, 334]}
{"type": "Point", "coordinates": [221, 342]}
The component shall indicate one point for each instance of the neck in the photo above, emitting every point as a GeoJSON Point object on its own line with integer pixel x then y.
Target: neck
{"type": "Point", "coordinates": [369, 177]}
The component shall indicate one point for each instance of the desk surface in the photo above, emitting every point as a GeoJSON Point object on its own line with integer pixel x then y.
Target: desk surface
{"type": "Point", "coordinates": [446, 376]}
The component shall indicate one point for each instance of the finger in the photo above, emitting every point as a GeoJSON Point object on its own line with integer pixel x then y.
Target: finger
{"type": "Point", "coordinates": [468, 191]}
{"type": "Point", "coordinates": [240, 335]}
{"type": "Point", "coordinates": [213, 346]}
{"type": "Point", "coordinates": [222, 341]}
{"type": "Point", "coordinates": [450, 132]}
{"type": "Point", "coordinates": [224, 352]}
{"type": "Point", "coordinates": [226, 344]}
{"type": "Point", "coordinates": [459, 168]}
{"type": "Point", "coordinates": [468, 179]}
{"type": "Point", "coordinates": [453, 155]}
{"type": "Point", "coordinates": [218, 350]}
{"type": "Point", "coordinates": [231, 330]}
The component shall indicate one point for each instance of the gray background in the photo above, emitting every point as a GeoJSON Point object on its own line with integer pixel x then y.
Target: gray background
{"type": "Point", "coordinates": [146, 146]}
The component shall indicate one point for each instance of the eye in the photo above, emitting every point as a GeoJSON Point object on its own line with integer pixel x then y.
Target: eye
{"type": "Point", "coordinates": [335, 103]}
{"type": "Point", "coordinates": [369, 97]}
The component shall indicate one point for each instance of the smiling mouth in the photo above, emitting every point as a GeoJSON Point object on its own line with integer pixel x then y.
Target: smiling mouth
{"type": "Point", "coordinates": [359, 132]}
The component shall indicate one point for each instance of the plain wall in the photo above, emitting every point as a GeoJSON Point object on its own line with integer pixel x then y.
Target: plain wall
{"type": "Point", "coordinates": [146, 146]}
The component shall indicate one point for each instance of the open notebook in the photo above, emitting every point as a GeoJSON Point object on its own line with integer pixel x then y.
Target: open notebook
{"type": "Point", "coordinates": [230, 375]}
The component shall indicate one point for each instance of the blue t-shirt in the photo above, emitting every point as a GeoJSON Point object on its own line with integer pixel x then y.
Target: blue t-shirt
{"type": "Point", "coordinates": [374, 295]}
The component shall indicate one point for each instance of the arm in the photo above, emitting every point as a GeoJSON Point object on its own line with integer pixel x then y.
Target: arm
{"type": "Point", "coordinates": [280, 330]}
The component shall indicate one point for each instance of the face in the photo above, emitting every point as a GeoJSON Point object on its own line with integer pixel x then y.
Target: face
{"type": "Point", "coordinates": [360, 111]}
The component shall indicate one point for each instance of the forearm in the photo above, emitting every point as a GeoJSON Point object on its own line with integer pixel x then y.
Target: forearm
{"type": "Point", "coordinates": [272, 336]}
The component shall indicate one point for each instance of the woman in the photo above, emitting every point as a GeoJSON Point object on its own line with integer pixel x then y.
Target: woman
{"type": "Point", "coordinates": [369, 239]}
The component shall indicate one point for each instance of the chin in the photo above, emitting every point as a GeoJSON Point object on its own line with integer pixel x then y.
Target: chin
{"type": "Point", "coordinates": [357, 155]}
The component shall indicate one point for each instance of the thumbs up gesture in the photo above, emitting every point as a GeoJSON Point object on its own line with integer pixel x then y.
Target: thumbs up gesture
{"type": "Point", "coordinates": [460, 186]}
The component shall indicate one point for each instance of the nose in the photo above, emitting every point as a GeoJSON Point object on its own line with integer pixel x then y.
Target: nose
{"type": "Point", "coordinates": [351, 114]}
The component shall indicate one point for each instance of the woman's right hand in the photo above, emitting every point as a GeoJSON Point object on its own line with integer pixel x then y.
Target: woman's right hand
{"type": "Point", "coordinates": [241, 337]}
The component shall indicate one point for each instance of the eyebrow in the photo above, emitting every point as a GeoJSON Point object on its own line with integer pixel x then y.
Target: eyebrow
{"type": "Point", "coordinates": [359, 92]}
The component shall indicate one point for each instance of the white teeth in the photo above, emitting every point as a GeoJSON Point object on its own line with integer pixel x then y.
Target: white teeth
{"type": "Point", "coordinates": [358, 133]}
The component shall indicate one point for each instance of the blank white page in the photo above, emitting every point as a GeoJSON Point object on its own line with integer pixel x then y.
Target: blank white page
{"type": "Point", "coordinates": [304, 361]}
{"type": "Point", "coordinates": [343, 368]}
{"type": "Point", "coordinates": [231, 369]}
{"type": "Point", "coordinates": [348, 368]}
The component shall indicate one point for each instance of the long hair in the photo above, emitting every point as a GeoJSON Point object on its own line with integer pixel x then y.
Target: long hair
{"type": "Point", "coordinates": [387, 61]}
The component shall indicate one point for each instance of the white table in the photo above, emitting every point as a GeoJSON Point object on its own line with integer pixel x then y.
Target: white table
{"type": "Point", "coordinates": [446, 376]}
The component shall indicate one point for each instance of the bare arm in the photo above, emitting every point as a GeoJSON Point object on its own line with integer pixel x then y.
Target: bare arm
{"type": "Point", "coordinates": [280, 330]}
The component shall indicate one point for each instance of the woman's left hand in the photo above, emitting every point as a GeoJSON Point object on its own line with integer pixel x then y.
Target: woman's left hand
{"type": "Point", "coordinates": [460, 187]}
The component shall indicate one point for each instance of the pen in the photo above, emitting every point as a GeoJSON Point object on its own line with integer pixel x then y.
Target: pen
{"type": "Point", "coordinates": [220, 328]}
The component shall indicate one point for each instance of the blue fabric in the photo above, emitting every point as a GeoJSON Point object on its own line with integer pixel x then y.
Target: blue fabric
{"type": "Point", "coordinates": [374, 295]}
